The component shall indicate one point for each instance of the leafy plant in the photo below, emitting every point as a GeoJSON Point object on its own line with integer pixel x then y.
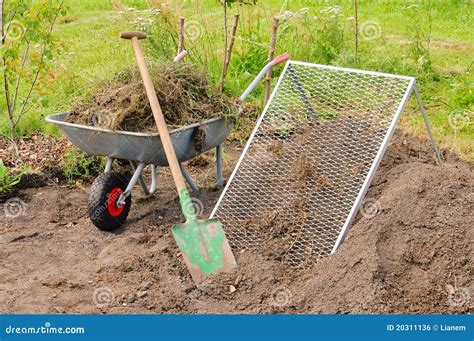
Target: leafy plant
{"type": "Point", "coordinates": [420, 34]}
{"type": "Point", "coordinates": [161, 28]}
{"type": "Point", "coordinates": [321, 32]}
{"type": "Point", "coordinates": [76, 164]}
{"type": "Point", "coordinates": [7, 179]}
{"type": "Point", "coordinates": [26, 46]}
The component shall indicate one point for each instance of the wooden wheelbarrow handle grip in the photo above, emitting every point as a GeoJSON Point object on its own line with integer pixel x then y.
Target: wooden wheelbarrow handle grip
{"type": "Point", "coordinates": [133, 34]}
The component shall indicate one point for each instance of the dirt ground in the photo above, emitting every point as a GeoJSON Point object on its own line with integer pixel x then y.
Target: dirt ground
{"type": "Point", "coordinates": [413, 255]}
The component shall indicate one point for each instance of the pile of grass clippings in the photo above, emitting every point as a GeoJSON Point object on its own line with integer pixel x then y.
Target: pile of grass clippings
{"type": "Point", "coordinates": [184, 92]}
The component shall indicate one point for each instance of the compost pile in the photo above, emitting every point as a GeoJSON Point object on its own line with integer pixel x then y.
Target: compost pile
{"type": "Point", "coordinates": [186, 96]}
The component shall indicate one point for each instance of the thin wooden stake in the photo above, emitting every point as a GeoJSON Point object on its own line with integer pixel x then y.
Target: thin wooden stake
{"type": "Point", "coordinates": [221, 83]}
{"type": "Point", "coordinates": [356, 31]}
{"type": "Point", "coordinates": [228, 52]}
{"type": "Point", "coordinates": [271, 53]}
{"type": "Point", "coordinates": [181, 35]}
{"type": "Point", "coordinates": [2, 37]}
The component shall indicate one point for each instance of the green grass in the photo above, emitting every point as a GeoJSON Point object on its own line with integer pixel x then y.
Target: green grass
{"type": "Point", "coordinates": [92, 51]}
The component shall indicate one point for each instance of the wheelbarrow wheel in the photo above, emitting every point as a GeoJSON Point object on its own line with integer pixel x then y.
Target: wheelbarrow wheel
{"type": "Point", "coordinates": [102, 204]}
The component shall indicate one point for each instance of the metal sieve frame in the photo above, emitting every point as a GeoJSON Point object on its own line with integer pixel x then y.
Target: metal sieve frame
{"type": "Point", "coordinates": [411, 87]}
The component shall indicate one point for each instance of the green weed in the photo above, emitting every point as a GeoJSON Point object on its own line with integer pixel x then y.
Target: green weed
{"type": "Point", "coordinates": [75, 164]}
{"type": "Point", "coordinates": [7, 179]}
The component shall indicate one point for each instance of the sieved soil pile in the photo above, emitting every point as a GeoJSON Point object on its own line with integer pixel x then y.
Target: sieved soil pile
{"type": "Point", "coordinates": [414, 256]}
{"type": "Point", "coordinates": [184, 92]}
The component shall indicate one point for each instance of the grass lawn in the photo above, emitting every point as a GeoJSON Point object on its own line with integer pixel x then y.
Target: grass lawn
{"type": "Point", "coordinates": [430, 40]}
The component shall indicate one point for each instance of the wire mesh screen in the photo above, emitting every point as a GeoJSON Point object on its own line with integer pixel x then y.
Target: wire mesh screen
{"type": "Point", "coordinates": [308, 159]}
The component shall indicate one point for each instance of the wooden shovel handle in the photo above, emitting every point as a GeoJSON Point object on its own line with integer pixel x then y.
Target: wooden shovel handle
{"type": "Point", "coordinates": [159, 119]}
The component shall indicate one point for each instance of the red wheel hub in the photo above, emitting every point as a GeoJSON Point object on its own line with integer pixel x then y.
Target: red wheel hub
{"type": "Point", "coordinates": [112, 207]}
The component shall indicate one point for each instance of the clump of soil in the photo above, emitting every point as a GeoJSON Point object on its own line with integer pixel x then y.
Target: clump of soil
{"type": "Point", "coordinates": [403, 259]}
{"type": "Point", "coordinates": [301, 169]}
{"type": "Point", "coordinates": [184, 92]}
{"type": "Point", "coordinates": [277, 228]}
{"type": "Point", "coordinates": [277, 148]}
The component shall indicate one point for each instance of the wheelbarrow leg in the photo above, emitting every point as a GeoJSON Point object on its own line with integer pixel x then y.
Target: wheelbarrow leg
{"type": "Point", "coordinates": [219, 165]}
{"type": "Point", "coordinates": [188, 179]}
{"type": "Point", "coordinates": [133, 181]}
{"type": "Point", "coordinates": [140, 177]}
{"type": "Point", "coordinates": [154, 179]}
{"type": "Point", "coordinates": [108, 165]}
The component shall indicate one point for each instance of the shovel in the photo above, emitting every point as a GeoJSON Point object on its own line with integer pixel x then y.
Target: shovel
{"type": "Point", "coordinates": [203, 244]}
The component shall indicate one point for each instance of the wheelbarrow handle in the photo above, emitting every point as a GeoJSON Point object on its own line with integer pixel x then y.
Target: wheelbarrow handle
{"type": "Point", "coordinates": [262, 73]}
{"type": "Point", "coordinates": [180, 56]}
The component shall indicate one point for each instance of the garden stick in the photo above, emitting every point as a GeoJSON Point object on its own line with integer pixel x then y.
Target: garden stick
{"type": "Point", "coordinates": [271, 53]}
{"type": "Point", "coordinates": [356, 29]}
{"type": "Point", "coordinates": [221, 87]}
{"type": "Point", "coordinates": [229, 50]}
{"type": "Point", "coordinates": [181, 35]}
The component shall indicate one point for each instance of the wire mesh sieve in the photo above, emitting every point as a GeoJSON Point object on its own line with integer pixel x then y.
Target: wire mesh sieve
{"type": "Point", "coordinates": [310, 159]}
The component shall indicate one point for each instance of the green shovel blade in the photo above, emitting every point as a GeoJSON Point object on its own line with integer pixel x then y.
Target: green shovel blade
{"type": "Point", "coordinates": [204, 247]}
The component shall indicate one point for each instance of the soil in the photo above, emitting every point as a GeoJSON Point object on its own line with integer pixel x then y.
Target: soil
{"type": "Point", "coordinates": [38, 152]}
{"type": "Point", "coordinates": [413, 256]}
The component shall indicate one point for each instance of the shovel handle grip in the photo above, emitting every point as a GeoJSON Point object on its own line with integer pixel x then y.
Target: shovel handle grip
{"type": "Point", "coordinates": [132, 34]}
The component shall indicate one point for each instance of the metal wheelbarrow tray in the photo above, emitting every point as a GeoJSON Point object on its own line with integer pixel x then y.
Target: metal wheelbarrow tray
{"type": "Point", "coordinates": [140, 149]}
{"type": "Point", "coordinates": [143, 147]}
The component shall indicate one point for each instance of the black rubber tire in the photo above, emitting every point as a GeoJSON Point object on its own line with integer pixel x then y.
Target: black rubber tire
{"type": "Point", "coordinates": [97, 202]}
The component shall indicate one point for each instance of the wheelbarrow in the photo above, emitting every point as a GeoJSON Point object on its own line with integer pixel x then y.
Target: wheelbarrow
{"type": "Point", "coordinates": [110, 195]}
